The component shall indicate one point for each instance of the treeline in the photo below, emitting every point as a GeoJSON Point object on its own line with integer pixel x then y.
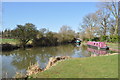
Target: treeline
{"type": "Point", "coordinates": [42, 37]}
{"type": "Point", "coordinates": [101, 25]}
{"type": "Point", "coordinates": [48, 38]}
{"type": "Point", "coordinates": [7, 33]}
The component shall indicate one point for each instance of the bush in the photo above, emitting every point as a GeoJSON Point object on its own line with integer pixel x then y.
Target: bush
{"type": "Point", "coordinates": [45, 41]}
{"type": "Point", "coordinates": [96, 39]}
{"type": "Point", "coordinates": [104, 38]}
{"type": "Point", "coordinates": [114, 38]}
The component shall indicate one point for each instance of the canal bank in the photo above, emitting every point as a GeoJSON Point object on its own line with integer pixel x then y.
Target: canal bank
{"type": "Point", "coordinates": [90, 67]}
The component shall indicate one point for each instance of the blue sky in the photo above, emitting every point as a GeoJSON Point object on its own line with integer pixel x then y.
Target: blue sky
{"type": "Point", "coordinates": [50, 15]}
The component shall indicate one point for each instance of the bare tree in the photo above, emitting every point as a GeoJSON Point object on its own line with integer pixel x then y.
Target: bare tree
{"type": "Point", "coordinates": [90, 25]}
{"type": "Point", "coordinates": [112, 26]}
{"type": "Point", "coordinates": [112, 7]}
{"type": "Point", "coordinates": [104, 18]}
{"type": "Point", "coordinates": [119, 19]}
{"type": "Point", "coordinates": [66, 34]}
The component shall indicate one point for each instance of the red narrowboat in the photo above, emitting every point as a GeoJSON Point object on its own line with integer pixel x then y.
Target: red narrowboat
{"type": "Point", "coordinates": [98, 45]}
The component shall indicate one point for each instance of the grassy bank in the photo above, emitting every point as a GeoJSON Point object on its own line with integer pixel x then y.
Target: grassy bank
{"type": "Point", "coordinates": [91, 67]}
{"type": "Point", "coordinates": [114, 45]}
{"type": "Point", "coordinates": [10, 41]}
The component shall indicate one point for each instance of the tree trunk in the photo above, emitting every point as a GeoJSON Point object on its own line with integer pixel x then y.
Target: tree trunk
{"type": "Point", "coordinates": [23, 45]}
{"type": "Point", "coordinates": [105, 26]}
{"type": "Point", "coordinates": [105, 31]}
{"type": "Point", "coordinates": [116, 28]}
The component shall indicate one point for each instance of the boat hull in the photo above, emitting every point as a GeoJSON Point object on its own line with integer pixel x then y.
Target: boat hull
{"type": "Point", "coordinates": [95, 47]}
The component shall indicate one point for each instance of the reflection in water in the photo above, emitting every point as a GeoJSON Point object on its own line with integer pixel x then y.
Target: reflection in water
{"type": "Point", "coordinates": [19, 60]}
{"type": "Point", "coordinates": [96, 52]}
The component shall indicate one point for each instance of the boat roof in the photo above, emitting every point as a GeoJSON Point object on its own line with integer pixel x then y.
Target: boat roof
{"type": "Point", "coordinates": [96, 42]}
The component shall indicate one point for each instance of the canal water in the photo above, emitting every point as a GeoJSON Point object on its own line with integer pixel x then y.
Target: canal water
{"type": "Point", "coordinates": [19, 60]}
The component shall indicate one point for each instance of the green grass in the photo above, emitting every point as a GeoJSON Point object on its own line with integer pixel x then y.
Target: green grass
{"type": "Point", "coordinates": [91, 67]}
{"type": "Point", "coordinates": [113, 45]}
{"type": "Point", "coordinates": [10, 41]}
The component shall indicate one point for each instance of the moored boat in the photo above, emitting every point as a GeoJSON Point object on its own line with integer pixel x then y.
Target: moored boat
{"type": "Point", "coordinates": [78, 41]}
{"type": "Point", "coordinates": [98, 45]}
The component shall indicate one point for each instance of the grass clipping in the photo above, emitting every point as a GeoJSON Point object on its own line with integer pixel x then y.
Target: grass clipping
{"type": "Point", "coordinates": [34, 69]}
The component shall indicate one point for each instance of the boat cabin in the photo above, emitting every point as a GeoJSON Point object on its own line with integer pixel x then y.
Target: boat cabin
{"type": "Point", "coordinates": [97, 44]}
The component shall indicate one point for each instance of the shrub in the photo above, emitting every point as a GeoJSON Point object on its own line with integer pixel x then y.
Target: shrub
{"type": "Point", "coordinates": [96, 39]}
{"type": "Point", "coordinates": [114, 38]}
{"type": "Point", "coordinates": [104, 38]}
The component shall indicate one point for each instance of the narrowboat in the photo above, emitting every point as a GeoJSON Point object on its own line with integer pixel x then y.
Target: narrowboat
{"type": "Point", "coordinates": [98, 45]}
{"type": "Point", "coordinates": [78, 41]}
